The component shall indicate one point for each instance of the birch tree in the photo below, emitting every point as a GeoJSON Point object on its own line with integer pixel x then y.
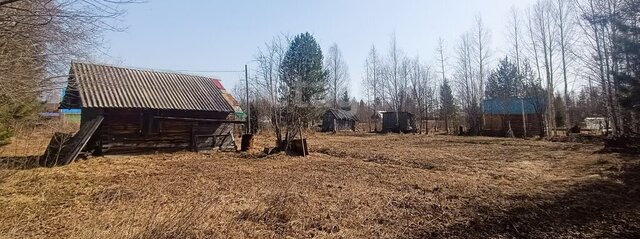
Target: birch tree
{"type": "Point", "coordinates": [599, 32]}
{"type": "Point", "coordinates": [393, 78]}
{"type": "Point", "coordinates": [338, 74]}
{"type": "Point", "coordinates": [564, 20]}
{"type": "Point", "coordinates": [419, 79]}
{"type": "Point", "coordinates": [373, 80]}
{"type": "Point", "coordinates": [481, 47]}
{"type": "Point", "coordinates": [514, 35]}
{"type": "Point", "coordinates": [544, 38]}
{"type": "Point", "coordinates": [467, 85]}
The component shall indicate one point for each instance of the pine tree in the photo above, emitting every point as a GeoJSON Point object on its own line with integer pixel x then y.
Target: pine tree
{"type": "Point", "coordinates": [627, 80]}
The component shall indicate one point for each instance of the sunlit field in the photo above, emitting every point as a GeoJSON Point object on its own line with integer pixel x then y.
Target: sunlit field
{"type": "Point", "coordinates": [352, 185]}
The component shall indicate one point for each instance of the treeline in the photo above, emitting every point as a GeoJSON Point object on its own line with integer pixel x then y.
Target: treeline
{"type": "Point", "coordinates": [573, 59]}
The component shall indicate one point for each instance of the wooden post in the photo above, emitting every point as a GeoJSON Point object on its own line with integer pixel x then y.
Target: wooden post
{"type": "Point", "coordinates": [194, 139]}
{"type": "Point", "coordinates": [304, 149]}
{"type": "Point", "coordinates": [246, 80]}
{"type": "Point", "coordinates": [334, 125]}
{"type": "Point", "coordinates": [524, 119]}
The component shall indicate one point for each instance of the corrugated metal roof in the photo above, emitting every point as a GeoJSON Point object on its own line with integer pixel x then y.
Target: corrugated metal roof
{"type": "Point", "coordinates": [104, 86]}
{"type": "Point", "coordinates": [342, 114]}
{"type": "Point", "coordinates": [512, 106]}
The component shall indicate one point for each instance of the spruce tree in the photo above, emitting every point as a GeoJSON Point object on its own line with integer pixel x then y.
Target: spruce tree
{"type": "Point", "coordinates": [503, 82]}
{"type": "Point", "coordinates": [303, 85]}
{"type": "Point", "coordinates": [447, 101]}
{"type": "Point", "coordinates": [302, 73]}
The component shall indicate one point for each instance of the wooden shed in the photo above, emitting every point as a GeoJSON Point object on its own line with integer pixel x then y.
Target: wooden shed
{"type": "Point", "coordinates": [147, 109]}
{"type": "Point", "coordinates": [521, 115]}
{"type": "Point", "coordinates": [404, 122]}
{"type": "Point", "coordinates": [338, 120]}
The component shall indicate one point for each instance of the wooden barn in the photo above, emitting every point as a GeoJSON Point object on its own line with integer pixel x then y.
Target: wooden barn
{"type": "Point", "coordinates": [338, 120]}
{"type": "Point", "coordinates": [521, 115]}
{"type": "Point", "coordinates": [404, 122]}
{"type": "Point", "coordinates": [134, 109]}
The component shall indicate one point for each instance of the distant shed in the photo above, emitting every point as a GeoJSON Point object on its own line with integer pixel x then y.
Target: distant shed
{"type": "Point", "coordinates": [404, 122]}
{"type": "Point", "coordinates": [146, 109]}
{"type": "Point", "coordinates": [522, 115]}
{"type": "Point", "coordinates": [338, 120]}
{"type": "Point", "coordinates": [595, 123]}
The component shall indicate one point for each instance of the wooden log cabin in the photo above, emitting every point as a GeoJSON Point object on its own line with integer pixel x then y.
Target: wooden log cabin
{"type": "Point", "coordinates": [151, 110]}
{"type": "Point", "coordinates": [523, 116]}
{"type": "Point", "coordinates": [404, 122]}
{"type": "Point", "coordinates": [335, 120]}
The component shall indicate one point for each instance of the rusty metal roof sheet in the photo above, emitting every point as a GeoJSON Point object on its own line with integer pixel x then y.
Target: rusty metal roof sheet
{"type": "Point", "coordinates": [104, 86]}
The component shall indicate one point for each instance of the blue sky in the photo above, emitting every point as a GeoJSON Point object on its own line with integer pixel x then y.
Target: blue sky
{"type": "Point", "coordinates": [199, 35]}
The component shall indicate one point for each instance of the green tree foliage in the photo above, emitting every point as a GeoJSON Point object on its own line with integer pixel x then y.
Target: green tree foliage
{"type": "Point", "coordinates": [345, 101]}
{"type": "Point", "coordinates": [12, 112]}
{"type": "Point", "coordinates": [302, 74]}
{"type": "Point", "coordinates": [447, 101]}
{"type": "Point", "coordinates": [503, 83]}
{"type": "Point", "coordinates": [304, 82]}
{"type": "Point", "coordinates": [628, 45]}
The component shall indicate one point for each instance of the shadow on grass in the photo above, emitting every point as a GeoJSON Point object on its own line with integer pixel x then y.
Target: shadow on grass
{"type": "Point", "coordinates": [603, 207]}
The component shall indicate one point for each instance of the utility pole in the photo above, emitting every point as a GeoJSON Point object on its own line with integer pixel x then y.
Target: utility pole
{"type": "Point", "coordinates": [246, 81]}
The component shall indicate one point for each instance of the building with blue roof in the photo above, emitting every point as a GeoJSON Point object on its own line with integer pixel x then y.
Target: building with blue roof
{"type": "Point", "coordinates": [524, 116]}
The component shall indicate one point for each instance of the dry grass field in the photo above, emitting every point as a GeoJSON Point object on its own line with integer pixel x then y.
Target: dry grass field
{"type": "Point", "coordinates": [352, 186]}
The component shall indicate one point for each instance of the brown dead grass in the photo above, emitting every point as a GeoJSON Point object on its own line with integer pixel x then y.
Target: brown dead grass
{"type": "Point", "coordinates": [352, 186]}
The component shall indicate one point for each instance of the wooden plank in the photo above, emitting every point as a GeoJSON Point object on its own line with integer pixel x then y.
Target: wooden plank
{"type": "Point", "coordinates": [56, 149]}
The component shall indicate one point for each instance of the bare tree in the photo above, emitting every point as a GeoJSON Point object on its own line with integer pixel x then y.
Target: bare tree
{"type": "Point", "coordinates": [481, 45]}
{"type": "Point", "coordinates": [38, 39]}
{"type": "Point", "coordinates": [394, 81]}
{"type": "Point", "coordinates": [440, 51]}
{"type": "Point", "coordinates": [267, 79]}
{"type": "Point", "coordinates": [467, 86]}
{"type": "Point", "coordinates": [514, 29]}
{"type": "Point", "coordinates": [421, 91]}
{"type": "Point", "coordinates": [515, 36]}
{"type": "Point", "coordinates": [373, 80]}
{"type": "Point", "coordinates": [442, 61]}
{"type": "Point", "coordinates": [564, 20]}
{"type": "Point", "coordinates": [338, 73]}
{"type": "Point", "coordinates": [544, 37]}
{"type": "Point", "coordinates": [417, 98]}
{"type": "Point", "coordinates": [599, 32]}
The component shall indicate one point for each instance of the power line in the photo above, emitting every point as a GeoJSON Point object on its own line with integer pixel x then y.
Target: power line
{"type": "Point", "coordinates": [198, 71]}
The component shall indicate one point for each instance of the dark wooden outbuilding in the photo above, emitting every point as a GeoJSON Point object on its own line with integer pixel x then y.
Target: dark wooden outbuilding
{"type": "Point", "coordinates": [146, 109]}
{"type": "Point", "coordinates": [404, 122]}
{"type": "Point", "coordinates": [338, 120]}
{"type": "Point", "coordinates": [519, 115]}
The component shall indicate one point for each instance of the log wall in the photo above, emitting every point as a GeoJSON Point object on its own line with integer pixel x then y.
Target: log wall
{"type": "Point", "coordinates": [498, 125]}
{"type": "Point", "coordinates": [125, 130]}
